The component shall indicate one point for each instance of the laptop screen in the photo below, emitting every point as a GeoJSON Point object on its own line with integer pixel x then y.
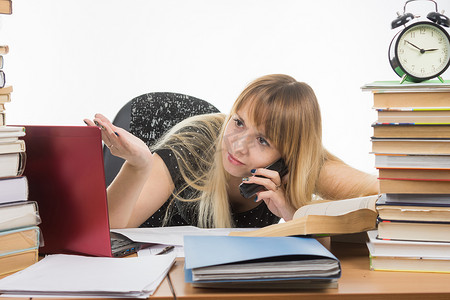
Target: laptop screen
{"type": "Point", "coordinates": [66, 177]}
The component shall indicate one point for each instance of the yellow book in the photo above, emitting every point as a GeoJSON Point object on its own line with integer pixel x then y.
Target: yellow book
{"type": "Point", "coordinates": [325, 218]}
{"type": "Point", "coordinates": [18, 240]}
{"type": "Point", "coordinates": [17, 261]}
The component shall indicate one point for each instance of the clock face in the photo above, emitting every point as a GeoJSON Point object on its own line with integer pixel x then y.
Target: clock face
{"type": "Point", "coordinates": [423, 50]}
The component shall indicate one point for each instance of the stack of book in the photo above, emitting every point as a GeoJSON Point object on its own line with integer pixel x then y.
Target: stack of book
{"type": "Point", "coordinates": [19, 235]}
{"type": "Point", "coordinates": [411, 143]}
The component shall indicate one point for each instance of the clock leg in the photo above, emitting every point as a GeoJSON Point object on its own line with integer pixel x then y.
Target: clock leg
{"type": "Point", "coordinates": [440, 79]}
{"type": "Point", "coordinates": [403, 78]}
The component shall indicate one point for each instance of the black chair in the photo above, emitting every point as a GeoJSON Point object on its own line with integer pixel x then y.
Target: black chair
{"type": "Point", "coordinates": [149, 116]}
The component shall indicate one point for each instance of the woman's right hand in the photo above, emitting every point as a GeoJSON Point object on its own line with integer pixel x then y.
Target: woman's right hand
{"type": "Point", "coordinates": [123, 144]}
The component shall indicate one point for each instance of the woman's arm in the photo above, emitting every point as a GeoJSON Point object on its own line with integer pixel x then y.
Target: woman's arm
{"type": "Point", "coordinates": [337, 180]}
{"type": "Point", "coordinates": [136, 194]}
{"type": "Point", "coordinates": [143, 183]}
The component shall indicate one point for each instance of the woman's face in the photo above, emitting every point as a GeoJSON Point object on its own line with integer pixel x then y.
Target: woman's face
{"type": "Point", "coordinates": [244, 146]}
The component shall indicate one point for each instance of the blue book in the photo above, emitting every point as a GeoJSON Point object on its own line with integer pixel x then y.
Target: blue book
{"type": "Point", "coordinates": [269, 262]}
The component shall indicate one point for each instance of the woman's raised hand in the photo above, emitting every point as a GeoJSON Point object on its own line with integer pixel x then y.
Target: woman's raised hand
{"type": "Point", "coordinates": [121, 143]}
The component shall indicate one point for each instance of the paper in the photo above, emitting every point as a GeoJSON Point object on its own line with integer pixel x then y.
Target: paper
{"type": "Point", "coordinates": [172, 235]}
{"type": "Point", "coordinates": [73, 275]}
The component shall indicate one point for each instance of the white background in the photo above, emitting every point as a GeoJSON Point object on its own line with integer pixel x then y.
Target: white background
{"type": "Point", "coordinates": [71, 59]}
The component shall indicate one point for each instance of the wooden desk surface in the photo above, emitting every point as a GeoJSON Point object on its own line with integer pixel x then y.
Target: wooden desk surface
{"type": "Point", "coordinates": [357, 282]}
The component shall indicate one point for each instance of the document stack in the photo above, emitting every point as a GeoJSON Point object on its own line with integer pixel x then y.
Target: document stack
{"type": "Point", "coordinates": [411, 143]}
{"type": "Point", "coordinates": [259, 262]}
{"type": "Point", "coordinates": [19, 235]}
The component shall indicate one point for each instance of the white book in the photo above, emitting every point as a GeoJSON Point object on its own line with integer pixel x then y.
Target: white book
{"type": "Point", "coordinates": [12, 164]}
{"type": "Point", "coordinates": [393, 248]}
{"type": "Point", "coordinates": [12, 147]}
{"type": "Point", "coordinates": [19, 214]}
{"type": "Point", "coordinates": [13, 189]}
{"type": "Point", "coordinates": [10, 131]}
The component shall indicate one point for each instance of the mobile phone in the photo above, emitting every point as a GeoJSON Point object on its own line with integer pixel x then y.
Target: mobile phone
{"type": "Point", "coordinates": [249, 189]}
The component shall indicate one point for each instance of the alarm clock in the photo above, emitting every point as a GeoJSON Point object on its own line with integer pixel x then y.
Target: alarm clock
{"type": "Point", "coordinates": [421, 50]}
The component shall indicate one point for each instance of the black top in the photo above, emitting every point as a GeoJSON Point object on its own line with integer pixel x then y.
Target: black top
{"type": "Point", "coordinates": [185, 213]}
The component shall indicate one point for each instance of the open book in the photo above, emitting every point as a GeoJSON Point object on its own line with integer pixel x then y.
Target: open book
{"type": "Point", "coordinates": [325, 218]}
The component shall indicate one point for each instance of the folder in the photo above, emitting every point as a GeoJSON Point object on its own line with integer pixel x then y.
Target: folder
{"type": "Point", "coordinates": [263, 262]}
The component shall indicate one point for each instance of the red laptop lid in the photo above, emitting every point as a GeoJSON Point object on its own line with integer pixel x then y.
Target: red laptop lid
{"type": "Point", "coordinates": [66, 177]}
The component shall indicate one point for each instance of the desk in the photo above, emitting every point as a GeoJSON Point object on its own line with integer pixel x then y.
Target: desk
{"type": "Point", "coordinates": [357, 282]}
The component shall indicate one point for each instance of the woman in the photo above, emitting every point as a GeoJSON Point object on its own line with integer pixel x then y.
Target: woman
{"type": "Point", "coordinates": [193, 175]}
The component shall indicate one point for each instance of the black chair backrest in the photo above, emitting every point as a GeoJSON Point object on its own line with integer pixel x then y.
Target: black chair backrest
{"type": "Point", "coordinates": [149, 116]}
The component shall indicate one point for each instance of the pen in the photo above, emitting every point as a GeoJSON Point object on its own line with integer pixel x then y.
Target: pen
{"type": "Point", "coordinates": [166, 250]}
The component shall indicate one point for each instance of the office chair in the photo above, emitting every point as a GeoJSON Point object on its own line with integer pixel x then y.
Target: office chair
{"type": "Point", "coordinates": [149, 116]}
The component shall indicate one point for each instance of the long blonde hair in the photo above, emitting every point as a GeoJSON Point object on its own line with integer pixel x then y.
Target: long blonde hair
{"type": "Point", "coordinates": [289, 114]}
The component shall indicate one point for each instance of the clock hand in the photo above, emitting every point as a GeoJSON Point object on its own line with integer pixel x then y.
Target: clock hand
{"type": "Point", "coordinates": [434, 49]}
{"type": "Point", "coordinates": [414, 46]}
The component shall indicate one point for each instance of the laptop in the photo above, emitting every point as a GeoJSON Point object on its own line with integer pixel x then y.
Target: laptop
{"type": "Point", "coordinates": [66, 177]}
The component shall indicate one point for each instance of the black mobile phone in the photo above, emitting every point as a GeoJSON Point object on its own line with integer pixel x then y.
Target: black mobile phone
{"type": "Point", "coordinates": [249, 189]}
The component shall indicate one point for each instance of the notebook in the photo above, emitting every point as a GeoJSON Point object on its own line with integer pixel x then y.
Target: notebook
{"type": "Point", "coordinates": [67, 179]}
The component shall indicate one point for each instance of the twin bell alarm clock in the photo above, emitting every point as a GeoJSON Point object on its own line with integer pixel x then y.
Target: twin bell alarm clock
{"type": "Point", "coordinates": [421, 49]}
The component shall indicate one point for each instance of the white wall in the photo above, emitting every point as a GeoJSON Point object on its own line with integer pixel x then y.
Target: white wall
{"type": "Point", "coordinates": [71, 59]}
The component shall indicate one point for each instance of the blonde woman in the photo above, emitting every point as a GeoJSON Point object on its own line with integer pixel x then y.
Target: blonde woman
{"type": "Point", "coordinates": [192, 175]}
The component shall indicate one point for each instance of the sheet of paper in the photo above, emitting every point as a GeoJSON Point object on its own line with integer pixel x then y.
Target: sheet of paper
{"type": "Point", "coordinates": [73, 275]}
{"type": "Point", "coordinates": [172, 235]}
{"type": "Point", "coordinates": [155, 249]}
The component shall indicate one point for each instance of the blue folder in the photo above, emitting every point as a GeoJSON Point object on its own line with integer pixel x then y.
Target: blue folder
{"type": "Point", "coordinates": [203, 251]}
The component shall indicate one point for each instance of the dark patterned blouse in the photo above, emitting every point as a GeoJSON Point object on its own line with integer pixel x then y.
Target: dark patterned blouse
{"type": "Point", "coordinates": [167, 109]}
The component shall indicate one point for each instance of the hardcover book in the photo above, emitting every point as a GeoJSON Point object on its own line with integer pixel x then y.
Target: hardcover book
{"type": "Point", "coordinates": [426, 115]}
{"type": "Point", "coordinates": [414, 186]}
{"type": "Point", "coordinates": [411, 146]}
{"type": "Point", "coordinates": [411, 130]}
{"type": "Point", "coordinates": [325, 218]}
{"type": "Point", "coordinates": [411, 212]}
{"type": "Point", "coordinates": [393, 248]}
{"type": "Point", "coordinates": [412, 161]}
{"type": "Point", "coordinates": [414, 231]}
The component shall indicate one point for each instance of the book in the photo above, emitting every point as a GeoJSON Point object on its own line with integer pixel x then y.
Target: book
{"type": "Point", "coordinates": [414, 231]}
{"type": "Point", "coordinates": [393, 95]}
{"type": "Point", "coordinates": [13, 189]}
{"type": "Point", "coordinates": [19, 214]}
{"type": "Point", "coordinates": [392, 86]}
{"type": "Point", "coordinates": [12, 131]}
{"type": "Point", "coordinates": [413, 161]}
{"type": "Point", "coordinates": [12, 164]}
{"type": "Point", "coordinates": [17, 261]}
{"type": "Point", "coordinates": [6, 7]}
{"type": "Point", "coordinates": [393, 248]}
{"type": "Point", "coordinates": [418, 199]}
{"type": "Point", "coordinates": [3, 97]}
{"type": "Point", "coordinates": [12, 146]}
{"type": "Point", "coordinates": [415, 174]}
{"type": "Point", "coordinates": [414, 186]}
{"type": "Point", "coordinates": [6, 90]}
{"type": "Point", "coordinates": [410, 264]}
{"type": "Point", "coordinates": [226, 259]}
{"type": "Point", "coordinates": [409, 212]}
{"type": "Point", "coordinates": [426, 115]}
{"type": "Point", "coordinates": [411, 99]}
{"type": "Point", "coordinates": [2, 118]}
{"type": "Point", "coordinates": [4, 49]}
{"type": "Point", "coordinates": [20, 239]}
{"type": "Point", "coordinates": [411, 146]}
{"type": "Point", "coordinates": [410, 130]}
{"type": "Point", "coordinates": [325, 218]}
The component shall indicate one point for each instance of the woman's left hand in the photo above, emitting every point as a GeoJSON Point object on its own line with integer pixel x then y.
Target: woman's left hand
{"type": "Point", "coordinates": [274, 196]}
